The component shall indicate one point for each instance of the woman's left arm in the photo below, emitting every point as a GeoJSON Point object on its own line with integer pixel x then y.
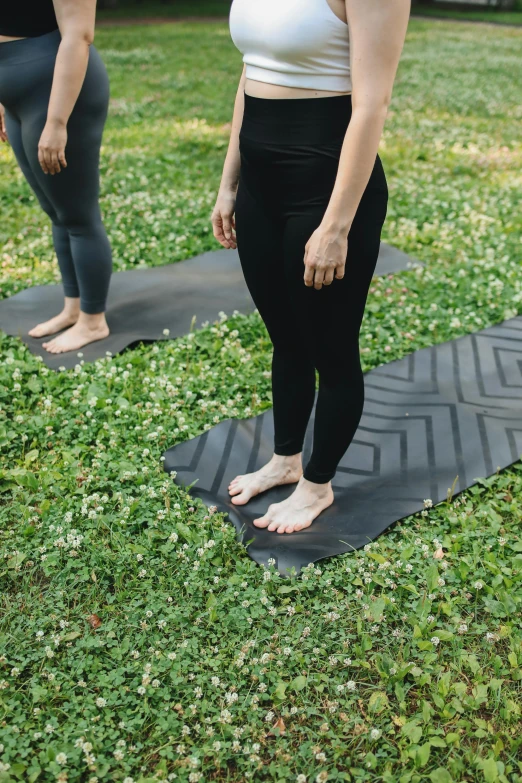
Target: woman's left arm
{"type": "Point", "coordinates": [76, 20]}
{"type": "Point", "coordinates": [377, 33]}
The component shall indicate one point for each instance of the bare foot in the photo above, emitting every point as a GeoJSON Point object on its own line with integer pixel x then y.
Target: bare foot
{"type": "Point", "coordinates": [299, 510]}
{"type": "Point", "coordinates": [79, 335]}
{"type": "Point", "coordinates": [65, 319]}
{"type": "Point", "coordinates": [280, 470]}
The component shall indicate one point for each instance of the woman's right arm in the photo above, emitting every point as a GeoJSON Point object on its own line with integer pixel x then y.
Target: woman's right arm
{"type": "Point", "coordinates": [223, 214]}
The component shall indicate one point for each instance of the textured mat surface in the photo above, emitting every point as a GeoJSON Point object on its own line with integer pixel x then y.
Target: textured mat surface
{"type": "Point", "coordinates": [453, 410]}
{"type": "Point", "coordinates": [144, 302]}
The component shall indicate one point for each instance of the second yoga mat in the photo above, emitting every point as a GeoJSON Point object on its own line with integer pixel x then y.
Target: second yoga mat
{"type": "Point", "coordinates": [143, 303]}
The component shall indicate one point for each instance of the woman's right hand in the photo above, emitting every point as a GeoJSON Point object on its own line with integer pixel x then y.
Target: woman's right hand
{"type": "Point", "coordinates": [3, 129]}
{"type": "Point", "coordinates": [223, 223]}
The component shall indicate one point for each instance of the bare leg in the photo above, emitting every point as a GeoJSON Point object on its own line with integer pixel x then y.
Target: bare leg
{"type": "Point", "coordinates": [280, 470]}
{"type": "Point", "coordinates": [299, 510]}
{"type": "Point", "coordinates": [87, 329]}
{"type": "Point", "coordinates": [68, 317]}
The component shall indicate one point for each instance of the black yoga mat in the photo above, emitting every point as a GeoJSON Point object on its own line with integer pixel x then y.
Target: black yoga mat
{"type": "Point", "coordinates": [442, 416]}
{"type": "Point", "coordinates": [144, 302]}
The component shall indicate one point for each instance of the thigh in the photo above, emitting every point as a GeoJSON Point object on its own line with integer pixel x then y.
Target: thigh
{"type": "Point", "coordinates": [73, 192]}
{"type": "Point", "coordinates": [330, 318]}
{"type": "Point", "coordinates": [260, 248]}
{"type": "Point", "coordinates": [14, 132]}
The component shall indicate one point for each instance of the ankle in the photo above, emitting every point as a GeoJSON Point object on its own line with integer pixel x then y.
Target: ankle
{"type": "Point", "coordinates": [92, 321]}
{"type": "Point", "coordinates": [317, 489]}
{"type": "Point", "coordinates": [71, 307]}
{"type": "Point", "coordinates": [287, 462]}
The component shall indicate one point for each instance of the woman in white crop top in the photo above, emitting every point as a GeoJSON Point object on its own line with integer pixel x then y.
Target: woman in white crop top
{"type": "Point", "coordinates": [303, 197]}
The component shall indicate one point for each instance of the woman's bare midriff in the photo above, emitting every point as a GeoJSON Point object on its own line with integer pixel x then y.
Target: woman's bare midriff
{"type": "Point", "coordinates": [7, 38]}
{"type": "Point", "coordinates": [270, 91]}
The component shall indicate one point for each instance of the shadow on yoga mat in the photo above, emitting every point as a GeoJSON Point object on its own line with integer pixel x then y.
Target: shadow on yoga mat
{"type": "Point", "coordinates": [144, 302]}
{"type": "Point", "coordinates": [452, 410]}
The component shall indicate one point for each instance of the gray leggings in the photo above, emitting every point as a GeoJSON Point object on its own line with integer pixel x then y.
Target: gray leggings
{"type": "Point", "coordinates": [70, 198]}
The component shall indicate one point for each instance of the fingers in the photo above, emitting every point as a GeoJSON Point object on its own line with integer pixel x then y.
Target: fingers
{"type": "Point", "coordinates": [3, 129]}
{"type": "Point", "coordinates": [218, 229]}
{"type": "Point", "coordinates": [55, 163]}
{"type": "Point", "coordinates": [309, 272]}
{"type": "Point", "coordinates": [228, 231]}
{"type": "Point", "coordinates": [50, 160]}
{"type": "Point", "coordinates": [329, 276]}
{"type": "Point", "coordinates": [41, 160]}
{"type": "Point", "coordinates": [339, 272]}
{"type": "Point", "coordinates": [318, 279]}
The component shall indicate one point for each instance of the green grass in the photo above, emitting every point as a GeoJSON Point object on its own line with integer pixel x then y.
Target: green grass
{"type": "Point", "coordinates": [139, 641]}
{"type": "Point", "coordinates": [130, 9]}
{"type": "Point", "coordinates": [492, 16]}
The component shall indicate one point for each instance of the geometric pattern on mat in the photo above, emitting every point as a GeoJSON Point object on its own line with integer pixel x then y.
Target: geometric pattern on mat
{"type": "Point", "coordinates": [144, 302]}
{"type": "Point", "coordinates": [444, 414]}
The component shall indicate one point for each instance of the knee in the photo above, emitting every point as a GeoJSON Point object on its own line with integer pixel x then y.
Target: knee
{"type": "Point", "coordinates": [49, 211]}
{"type": "Point", "coordinates": [78, 218]}
{"type": "Point", "coordinates": [291, 353]}
{"type": "Point", "coordinates": [339, 367]}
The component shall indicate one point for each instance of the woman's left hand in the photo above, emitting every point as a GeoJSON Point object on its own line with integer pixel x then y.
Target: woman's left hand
{"type": "Point", "coordinates": [325, 257]}
{"type": "Point", "coordinates": [51, 148]}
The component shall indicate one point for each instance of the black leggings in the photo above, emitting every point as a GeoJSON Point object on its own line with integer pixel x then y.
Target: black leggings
{"type": "Point", "coordinates": [70, 198]}
{"type": "Point", "coordinates": [290, 152]}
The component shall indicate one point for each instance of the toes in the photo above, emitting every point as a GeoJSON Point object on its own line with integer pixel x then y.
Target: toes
{"type": "Point", "coordinates": [262, 521]}
{"type": "Point", "coordinates": [300, 526]}
{"type": "Point", "coordinates": [241, 499]}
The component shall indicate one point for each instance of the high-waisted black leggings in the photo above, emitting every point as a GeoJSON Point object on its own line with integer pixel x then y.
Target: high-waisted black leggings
{"type": "Point", "coordinates": [70, 198]}
{"type": "Point", "coordinates": [290, 151]}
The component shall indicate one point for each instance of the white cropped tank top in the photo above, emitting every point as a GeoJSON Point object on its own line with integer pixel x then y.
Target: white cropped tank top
{"type": "Point", "coordinates": [293, 43]}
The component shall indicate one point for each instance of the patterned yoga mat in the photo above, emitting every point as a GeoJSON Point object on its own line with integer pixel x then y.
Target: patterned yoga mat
{"type": "Point", "coordinates": [441, 417]}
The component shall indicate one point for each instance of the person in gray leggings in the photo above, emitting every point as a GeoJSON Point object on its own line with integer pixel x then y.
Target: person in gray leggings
{"type": "Point", "coordinates": [54, 95]}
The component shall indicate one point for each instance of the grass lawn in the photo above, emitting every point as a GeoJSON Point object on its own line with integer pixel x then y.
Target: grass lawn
{"type": "Point", "coordinates": [176, 8]}
{"type": "Point", "coordinates": [139, 642]}
{"type": "Point", "coordinates": [491, 16]}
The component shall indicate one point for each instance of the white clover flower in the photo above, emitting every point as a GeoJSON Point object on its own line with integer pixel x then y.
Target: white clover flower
{"type": "Point", "coordinates": [375, 734]}
{"type": "Point", "coordinates": [435, 640]}
{"type": "Point", "coordinates": [101, 702]}
{"type": "Point", "coordinates": [478, 585]}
